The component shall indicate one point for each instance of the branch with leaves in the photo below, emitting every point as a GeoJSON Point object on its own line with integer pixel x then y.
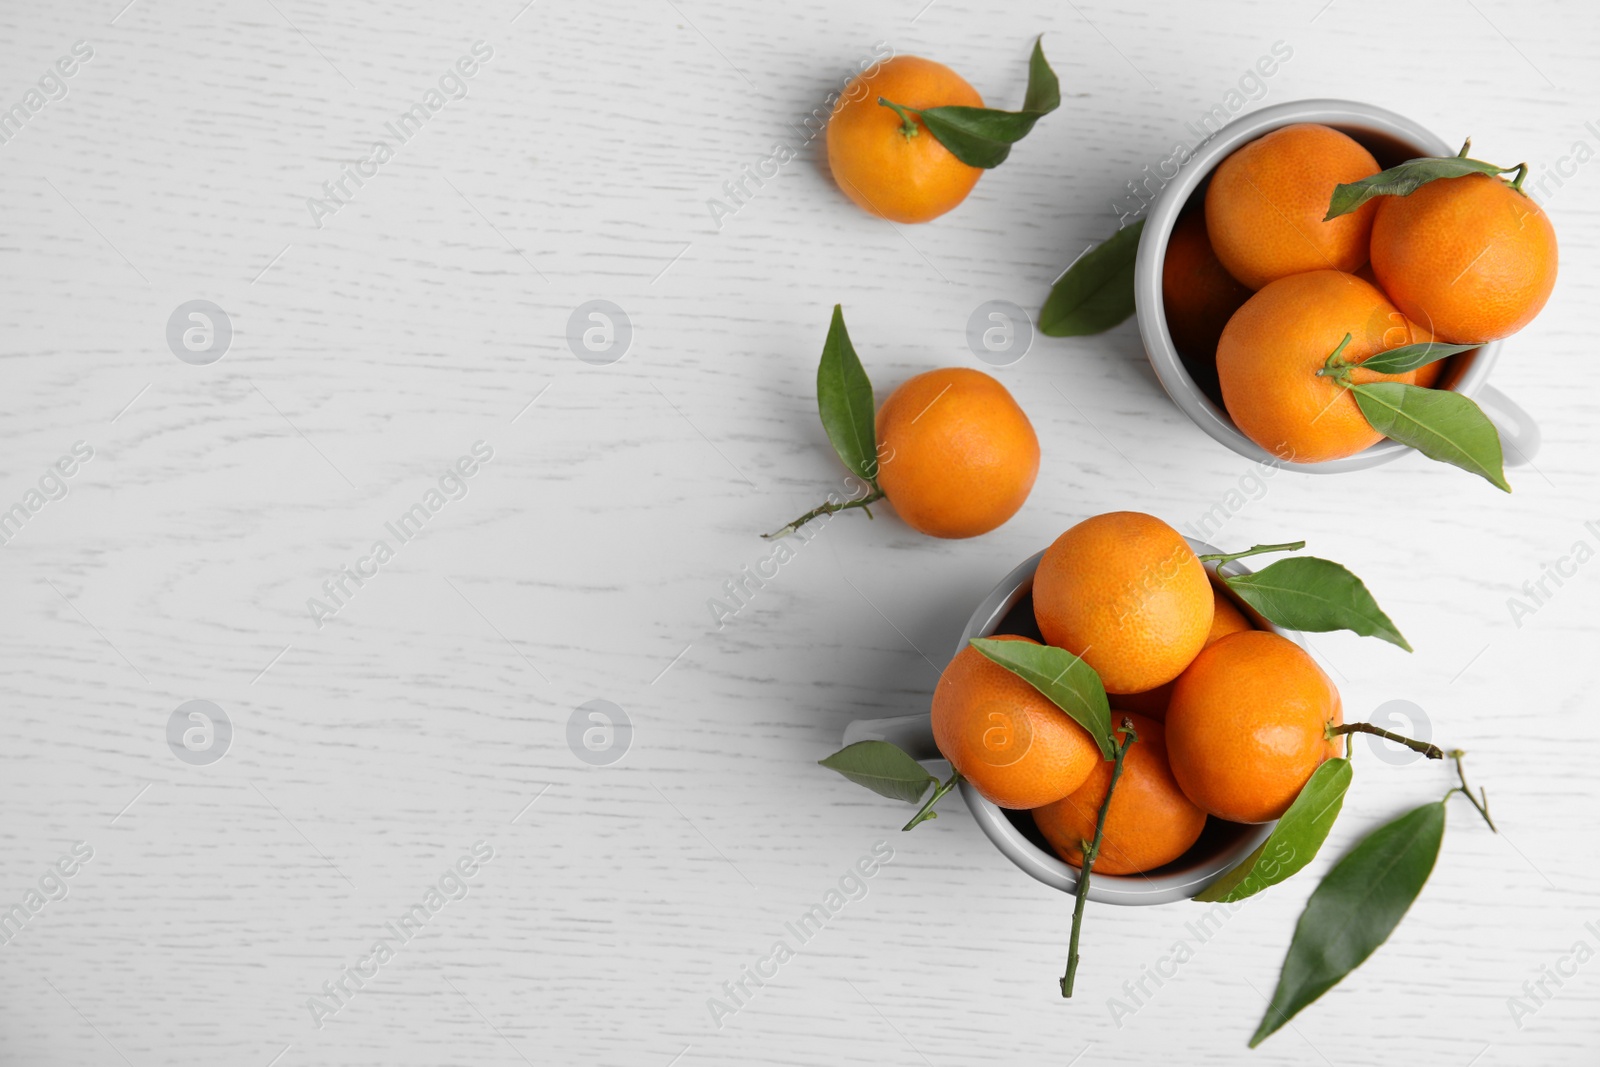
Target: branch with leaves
{"type": "Point", "coordinates": [890, 771]}
{"type": "Point", "coordinates": [1413, 174]}
{"type": "Point", "coordinates": [1441, 424]}
{"type": "Point", "coordinates": [1358, 904]}
{"type": "Point", "coordinates": [1091, 852]}
{"type": "Point", "coordinates": [1308, 593]}
{"type": "Point", "coordinates": [982, 136]}
{"type": "Point", "coordinates": [844, 401]}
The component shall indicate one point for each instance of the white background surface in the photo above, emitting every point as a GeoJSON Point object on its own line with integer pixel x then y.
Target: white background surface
{"type": "Point", "coordinates": [431, 310]}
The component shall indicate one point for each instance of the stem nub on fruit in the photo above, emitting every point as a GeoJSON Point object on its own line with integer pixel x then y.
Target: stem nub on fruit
{"type": "Point", "coordinates": [1337, 368]}
{"type": "Point", "coordinates": [908, 125]}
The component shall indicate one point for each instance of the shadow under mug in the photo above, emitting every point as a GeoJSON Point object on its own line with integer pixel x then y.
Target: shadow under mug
{"type": "Point", "coordinates": [1392, 139]}
{"type": "Point", "coordinates": [1008, 608]}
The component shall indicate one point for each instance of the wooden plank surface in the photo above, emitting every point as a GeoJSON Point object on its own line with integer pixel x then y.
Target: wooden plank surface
{"type": "Point", "coordinates": [374, 345]}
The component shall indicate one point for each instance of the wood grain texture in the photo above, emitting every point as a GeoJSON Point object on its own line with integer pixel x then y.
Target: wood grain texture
{"type": "Point", "coordinates": [432, 711]}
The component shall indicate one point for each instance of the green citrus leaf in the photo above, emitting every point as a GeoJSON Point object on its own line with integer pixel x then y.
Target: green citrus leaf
{"type": "Point", "coordinates": [844, 400]}
{"type": "Point", "coordinates": [1355, 909]}
{"type": "Point", "coordinates": [1316, 595]}
{"type": "Point", "coordinates": [883, 768]}
{"type": "Point", "coordinates": [1440, 424]}
{"type": "Point", "coordinates": [1294, 841]}
{"type": "Point", "coordinates": [981, 136]}
{"type": "Point", "coordinates": [1044, 88]}
{"type": "Point", "coordinates": [1410, 357]}
{"type": "Point", "coordinates": [1096, 292]}
{"type": "Point", "coordinates": [1404, 180]}
{"type": "Point", "coordinates": [1069, 683]}
{"type": "Point", "coordinates": [978, 136]}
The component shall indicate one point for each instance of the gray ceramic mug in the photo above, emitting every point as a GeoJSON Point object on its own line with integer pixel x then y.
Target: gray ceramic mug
{"type": "Point", "coordinates": [1391, 138]}
{"type": "Point", "coordinates": [1221, 847]}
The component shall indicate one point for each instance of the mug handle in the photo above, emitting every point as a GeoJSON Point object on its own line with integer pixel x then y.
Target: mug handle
{"type": "Point", "coordinates": [1519, 433]}
{"type": "Point", "coordinates": [913, 733]}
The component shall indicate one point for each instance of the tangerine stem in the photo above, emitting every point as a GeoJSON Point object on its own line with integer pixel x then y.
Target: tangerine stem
{"type": "Point", "coordinates": [1091, 849]}
{"type": "Point", "coordinates": [1229, 557]}
{"type": "Point", "coordinates": [908, 125]}
{"type": "Point", "coordinates": [1466, 790]}
{"type": "Point", "coordinates": [1522, 173]}
{"type": "Point", "coordinates": [1465, 145]}
{"type": "Point", "coordinates": [1428, 749]}
{"type": "Point", "coordinates": [927, 811]}
{"type": "Point", "coordinates": [1334, 367]}
{"type": "Point", "coordinates": [828, 509]}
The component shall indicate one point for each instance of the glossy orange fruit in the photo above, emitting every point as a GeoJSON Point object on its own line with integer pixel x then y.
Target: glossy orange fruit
{"type": "Point", "coordinates": [1126, 593]}
{"type": "Point", "coordinates": [958, 457]}
{"type": "Point", "coordinates": [1014, 746]}
{"type": "Point", "coordinates": [1151, 702]}
{"type": "Point", "coordinates": [1470, 258]}
{"type": "Point", "coordinates": [1266, 201]}
{"type": "Point", "coordinates": [888, 168]}
{"type": "Point", "coordinates": [1225, 619]}
{"type": "Point", "coordinates": [1150, 822]}
{"type": "Point", "coordinates": [1198, 293]}
{"type": "Point", "coordinates": [1246, 725]}
{"type": "Point", "coordinates": [1427, 376]}
{"type": "Point", "coordinates": [1274, 345]}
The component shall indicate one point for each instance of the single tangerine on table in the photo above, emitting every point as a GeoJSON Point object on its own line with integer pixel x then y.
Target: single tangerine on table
{"type": "Point", "coordinates": [891, 166]}
{"type": "Point", "coordinates": [1266, 202]}
{"type": "Point", "coordinates": [1247, 726]}
{"type": "Point", "coordinates": [1126, 593]}
{"type": "Point", "coordinates": [1005, 737]}
{"type": "Point", "coordinates": [958, 456]}
{"type": "Point", "coordinates": [1276, 343]}
{"type": "Point", "coordinates": [1150, 821]}
{"type": "Point", "coordinates": [1471, 258]}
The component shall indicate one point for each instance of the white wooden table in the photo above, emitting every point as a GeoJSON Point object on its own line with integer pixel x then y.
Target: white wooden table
{"type": "Point", "coordinates": [429, 310]}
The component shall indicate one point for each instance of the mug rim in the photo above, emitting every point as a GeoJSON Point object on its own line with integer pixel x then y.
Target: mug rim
{"type": "Point", "coordinates": [1162, 216]}
{"type": "Point", "coordinates": [1050, 869]}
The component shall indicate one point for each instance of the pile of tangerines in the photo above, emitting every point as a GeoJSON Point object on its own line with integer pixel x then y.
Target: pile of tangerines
{"type": "Point", "coordinates": [1231, 720]}
{"type": "Point", "coordinates": [1301, 263]}
{"type": "Point", "coordinates": [1263, 280]}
